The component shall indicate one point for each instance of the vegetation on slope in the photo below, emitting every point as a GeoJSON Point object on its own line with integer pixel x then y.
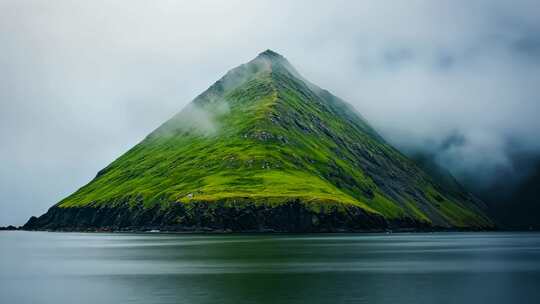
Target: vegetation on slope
{"type": "Point", "coordinates": [263, 135]}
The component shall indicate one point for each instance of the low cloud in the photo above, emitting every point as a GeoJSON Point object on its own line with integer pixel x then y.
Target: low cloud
{"type": "Point", "coordinates": [82, 82]}
{"type": "Point", "coordinates": [196, 119]}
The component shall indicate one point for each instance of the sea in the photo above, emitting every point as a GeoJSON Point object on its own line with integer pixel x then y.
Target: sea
{"type": "Point", "coordinates": [468, 267]}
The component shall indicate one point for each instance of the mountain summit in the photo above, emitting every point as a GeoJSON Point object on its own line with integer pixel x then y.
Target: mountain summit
{"type": "Point", "coordinates": [263, 149]}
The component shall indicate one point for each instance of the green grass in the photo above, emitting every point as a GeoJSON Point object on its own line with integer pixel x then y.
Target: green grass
{"type": "Point", "coordinates": [270, 139]}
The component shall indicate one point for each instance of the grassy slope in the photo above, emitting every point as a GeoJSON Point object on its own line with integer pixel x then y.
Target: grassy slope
{"type": "Point", "coordinates": [279, 139]}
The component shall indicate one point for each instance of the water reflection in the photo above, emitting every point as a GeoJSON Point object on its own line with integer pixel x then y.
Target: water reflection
{"type": "Point", "coordinates": [378, 268]}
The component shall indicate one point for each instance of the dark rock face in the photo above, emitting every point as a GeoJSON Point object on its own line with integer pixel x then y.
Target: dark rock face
{"type": "Point", "coordinates": [289, 217]}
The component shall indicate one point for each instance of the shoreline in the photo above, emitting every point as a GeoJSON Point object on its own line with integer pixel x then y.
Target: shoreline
{"type": "Point", "coordinates": [292, 217]}
{"type": "Point", "coordinates": [262, 232]}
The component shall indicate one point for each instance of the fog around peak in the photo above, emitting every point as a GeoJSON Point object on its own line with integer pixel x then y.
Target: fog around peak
{"type": "Point", "coordinates": [82, 82]}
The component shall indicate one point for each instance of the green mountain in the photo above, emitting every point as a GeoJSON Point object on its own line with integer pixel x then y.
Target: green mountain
{"type": "Point", "coordinates": [264, 149]}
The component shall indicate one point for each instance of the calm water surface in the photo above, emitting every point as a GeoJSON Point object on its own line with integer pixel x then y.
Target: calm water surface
{"type": "Point", "coordinates": [40, 267]}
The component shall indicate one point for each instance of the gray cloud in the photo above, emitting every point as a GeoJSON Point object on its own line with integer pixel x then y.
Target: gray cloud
{"type": "Point", "coordinates": [82, 81]}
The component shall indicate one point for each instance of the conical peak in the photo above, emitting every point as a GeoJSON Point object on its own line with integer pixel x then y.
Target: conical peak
{"type": "Point", "coordinates": [272, 59]}
{"type": "Point", "coordinates": [267, 62]}
{"type": "Point", "coordinates": [274, 62]}
{"type": "Point", "coordinates": [269, 54]}
{"type": "Point", "coordinates": [276, 140]}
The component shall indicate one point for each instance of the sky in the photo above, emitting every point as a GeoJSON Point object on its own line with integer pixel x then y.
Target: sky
{"type": "Point", "coordinates": [83, 81]}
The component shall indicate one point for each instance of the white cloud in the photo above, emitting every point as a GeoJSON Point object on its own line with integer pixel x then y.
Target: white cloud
{"type": "Point", "coordinates": [82, 81]}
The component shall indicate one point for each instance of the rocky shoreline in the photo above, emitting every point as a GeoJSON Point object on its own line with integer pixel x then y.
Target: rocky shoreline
{"type": "Point", "coordinates": [292, 217]}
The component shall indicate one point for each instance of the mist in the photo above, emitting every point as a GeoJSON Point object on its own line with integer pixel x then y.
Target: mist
{"type": "Point", "coordinates": [200, 120]}
{"type": "Point", "coordinates": [82, 82]}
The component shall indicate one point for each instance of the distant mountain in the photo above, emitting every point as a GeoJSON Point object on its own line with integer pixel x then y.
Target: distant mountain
{"type": "Point", "coordinates": [516, 207]}
{"type": "Point", "coordinates": [263, 149]}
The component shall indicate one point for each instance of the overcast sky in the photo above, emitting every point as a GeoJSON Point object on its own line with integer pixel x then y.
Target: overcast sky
{"type": "Point", "coordinates": [83, 81]}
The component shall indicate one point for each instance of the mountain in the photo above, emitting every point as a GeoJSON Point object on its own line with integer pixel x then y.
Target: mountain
{"type": "Point", "coordinates": [512, 195]}
{"type": "Point", "coordinates": [263, 149]}
{"type": "Point", "coordinates": [516, 207]}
